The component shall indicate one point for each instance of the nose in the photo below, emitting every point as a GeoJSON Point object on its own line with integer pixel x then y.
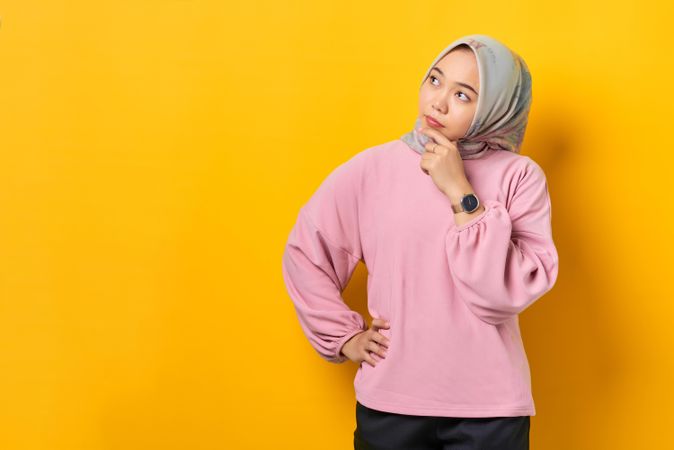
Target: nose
{"type": "Point", "coordinates": [440, 103]}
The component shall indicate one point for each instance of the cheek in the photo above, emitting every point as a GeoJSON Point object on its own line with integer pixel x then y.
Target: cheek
{"type": "Point", "coordinates": [462, 111]}
{"type": "Point", "coordinates": [470, 113]}
{"type": "Point", "coordinates": [425, 95]}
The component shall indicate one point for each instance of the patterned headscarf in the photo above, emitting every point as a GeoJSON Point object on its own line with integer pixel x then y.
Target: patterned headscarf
{"type": "Point", "coordinates": [503, 105]}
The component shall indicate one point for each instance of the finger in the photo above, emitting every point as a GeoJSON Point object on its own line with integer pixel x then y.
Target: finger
{"type": "Point", "coordinates": [376, 349]}
{"type": "Point", "coordinates": [379, 350]}
{"type": "Point", "coordinates": [430, 147]}
{"type": "Point", "coordinates": [372, 346]}
{"type": "Point", "coordinates": [380, 323]}
{"type": "Point", "coordinates": [440, 139]}
{"type": "Point", "coordinates": [433, 149]}
{"type": "Point", "coordinates": [376, 357]}
{"type": "Point", "coordinates": [436, 135]}
{"type": "Point", "coordinates": [381, 339]}
{"type": "Point", "coordinates": [423, 164]}
{"type": "Point", "coordinates": [369, 359]}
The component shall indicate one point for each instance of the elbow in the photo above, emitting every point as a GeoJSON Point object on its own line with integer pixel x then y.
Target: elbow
{"type": "Point", "coordinates": [501, 314]}
{"type": "Point", "coordinates": [497, 308]}
{"type": "Point", "coordinates": [489, 308]}
{"type": "Point", "coordinates": [493, 316]}
{"type": "Point", "coordinates": [554, 270]}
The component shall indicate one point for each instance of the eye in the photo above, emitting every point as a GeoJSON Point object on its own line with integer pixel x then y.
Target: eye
{"type": "Point", "coordinates": [433, 78]}
{"type": "Point", "coordinates": [467, 98]}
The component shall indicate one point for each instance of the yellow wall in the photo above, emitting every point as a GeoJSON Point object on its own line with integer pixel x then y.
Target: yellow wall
{"type": "Point", "coordinates": [154, 155]}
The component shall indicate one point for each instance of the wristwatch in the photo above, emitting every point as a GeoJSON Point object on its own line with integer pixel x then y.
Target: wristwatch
{"type": "Point", "coordinates": [469, 203]}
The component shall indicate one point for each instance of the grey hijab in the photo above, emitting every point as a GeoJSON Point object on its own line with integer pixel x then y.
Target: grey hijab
{"type": "Point", "coordinates": [503, 105]}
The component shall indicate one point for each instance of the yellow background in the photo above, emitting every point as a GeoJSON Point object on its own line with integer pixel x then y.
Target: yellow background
{"type": "Point", "coordinates": [155, 155]}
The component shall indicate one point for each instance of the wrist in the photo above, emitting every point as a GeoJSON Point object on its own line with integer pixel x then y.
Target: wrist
{"type": "Point", "coordinates": [456, 191]}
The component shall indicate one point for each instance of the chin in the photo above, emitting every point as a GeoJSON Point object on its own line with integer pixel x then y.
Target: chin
{"type": "Point", "coordinates": [450, 137]}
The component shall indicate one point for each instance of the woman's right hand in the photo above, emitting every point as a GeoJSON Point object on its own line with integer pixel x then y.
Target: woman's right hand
{"type": "Point", "coordinates": [361, 346]}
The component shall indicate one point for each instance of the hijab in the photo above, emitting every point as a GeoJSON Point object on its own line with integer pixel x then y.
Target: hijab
{"type": "Point", "coordinates": [503, 102]}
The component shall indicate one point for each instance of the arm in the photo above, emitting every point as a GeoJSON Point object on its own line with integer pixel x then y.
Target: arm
{"type": "Point", "coordinates": [504, 259]}
{"type": "Point", "coordinates": [317, 268]}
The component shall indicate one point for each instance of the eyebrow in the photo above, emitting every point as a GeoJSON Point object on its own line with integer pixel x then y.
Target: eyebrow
{"type": "Point", "coordinates": [467, 86]}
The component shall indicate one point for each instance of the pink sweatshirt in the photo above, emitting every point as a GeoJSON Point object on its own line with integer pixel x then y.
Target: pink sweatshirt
{"type": "Point", "coordinates": [452, 294]}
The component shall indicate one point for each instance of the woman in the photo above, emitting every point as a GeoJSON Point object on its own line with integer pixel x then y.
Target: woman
{"type": "Point", "coordinates": [454, 227]}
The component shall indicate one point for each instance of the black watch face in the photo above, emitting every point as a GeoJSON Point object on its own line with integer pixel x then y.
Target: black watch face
{"type": "Point", "coordinates": [469, 202]}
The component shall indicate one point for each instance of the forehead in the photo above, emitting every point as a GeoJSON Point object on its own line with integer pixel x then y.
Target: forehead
{"type": "Point", "coordinates": [460, 65]}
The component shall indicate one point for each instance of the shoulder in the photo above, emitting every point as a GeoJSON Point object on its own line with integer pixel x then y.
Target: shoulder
{"type": "Point", "coordinates": [531, 171]}
{"type": "Point", "coordinates": [521, 167]}
{"type": "Point", "coordinates": [347, 177]}
{"type": "Point", "coordinates": [367, 160]}
{"type": "Point", "coordinates": [384, 150]}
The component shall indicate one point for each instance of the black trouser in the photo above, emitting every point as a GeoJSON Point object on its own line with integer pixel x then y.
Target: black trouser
{"type": "Point", "coordinates": [380, 430]}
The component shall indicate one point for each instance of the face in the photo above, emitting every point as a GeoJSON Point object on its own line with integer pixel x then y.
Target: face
{"type": "Point", "coordinates": [446, 94]}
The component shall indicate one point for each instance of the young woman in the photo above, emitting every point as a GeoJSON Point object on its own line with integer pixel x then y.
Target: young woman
{"type": "Point", "coordinates": [454, 227]}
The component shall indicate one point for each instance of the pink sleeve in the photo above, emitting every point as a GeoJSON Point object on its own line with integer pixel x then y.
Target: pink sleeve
{"type": "Point", "coordinates": [505, 259]}
{"type": "Point", "coordinates": [317, 268]}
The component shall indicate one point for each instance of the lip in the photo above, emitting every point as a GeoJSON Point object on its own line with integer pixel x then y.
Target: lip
{"type": "Point", "coordinates": [432, 122]}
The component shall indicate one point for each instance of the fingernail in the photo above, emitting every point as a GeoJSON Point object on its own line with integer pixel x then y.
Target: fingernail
{"type": "Point", "coordinates": [388, 324]}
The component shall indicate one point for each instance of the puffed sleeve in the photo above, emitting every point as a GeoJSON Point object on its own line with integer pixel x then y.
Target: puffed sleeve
{"type": "Point", "coordinates": [505, 259]}
{"type": "Point", "coordinates": [320, 256]}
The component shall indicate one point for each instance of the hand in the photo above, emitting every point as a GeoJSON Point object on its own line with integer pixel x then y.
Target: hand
{"type": "Point", "coordinates": [361, 346]}
{"type": "Point", "coordinates": [442, 161]}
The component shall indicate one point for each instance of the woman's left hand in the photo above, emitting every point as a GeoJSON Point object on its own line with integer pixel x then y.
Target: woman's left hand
{"type": "Point", "coordinates": [442, 161]}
